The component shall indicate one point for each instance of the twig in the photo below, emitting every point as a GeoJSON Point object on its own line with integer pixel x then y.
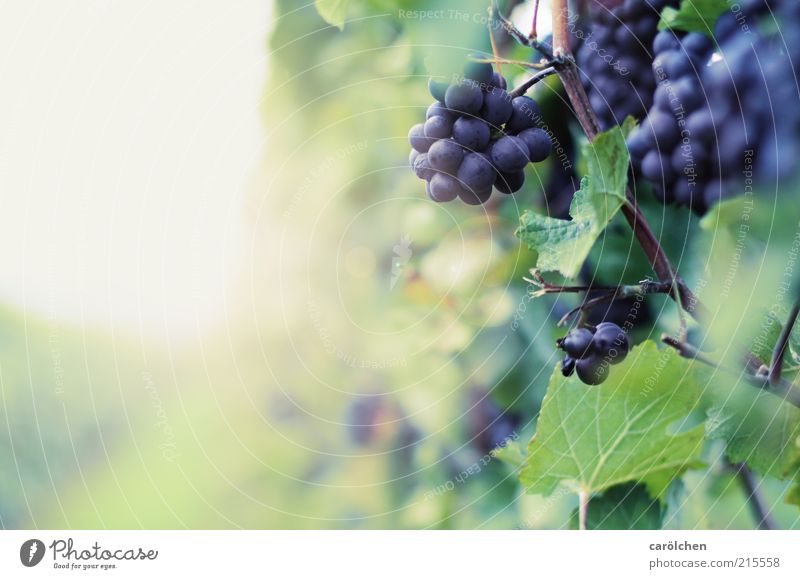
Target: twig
{"type": "Point", "coordinates": [758, 506]}
{"type": "Point", "coordinates": [534, 35]}
{"type": "Point", "coordinates": [778, 353]}
{"type": "Point", "coordinates": [560, 35]}
{"type": "Point", "coordinates": [525, 86]}
{"type": "Point", "coordinates": [783, 389]}
{"type": "Point", "coordinates": [583, 509]}
{"type": "Point", "coordinates": [588, 121]}
{"type": "Point", "coordinates": [517, 34]}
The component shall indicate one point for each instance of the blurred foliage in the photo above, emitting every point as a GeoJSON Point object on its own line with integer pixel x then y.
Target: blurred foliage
{"type": "Point", "coordinates": [384, 346]}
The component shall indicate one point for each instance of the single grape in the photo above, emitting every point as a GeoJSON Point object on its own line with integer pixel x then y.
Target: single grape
{"type": "Point", "coordinates": [445, 155]}
{"type": "Point", "coordinates": [472, 133]}
{"type": "Point", "coordinates": [481, 72]}
{"type": "Point", "coordinates": [611, 343]}
{"type": "Point", "coordinates": [509, 182]}
{"type": "Point", "coordinates": [509, 154]}
{"type": "Point", "coordinates": [578, 342]}
{"type": "Point", "coordinates": [654, 167]}
{"type": "Point", "coordinates": [476, 172]}
{"type": "Point", "coordinates": [539, 144]}
{"type": "Point", "coordinates": [443, 188]}
{"type": "Point", "coordinates": [567, 366]}
{"type": "Point", "coordinates": [524, 115]}
{"type": "Point", "coordinates": [592, 370]}
{"type": "Point", "coordinates": [497, 107]}
{"type": "Point", "coordinates": [421, 167]}
{"type": "Point", "coordinates": [466, 98]}
{"type": "Point", "coordinates": [499, 81]}
{"type": "Point", "coordinates": [476, 197]}
{"type": "Point", "coordinates": [419, 142]}
{"type": "Point", "coordinates": [437, 88]}
{"type": "Point", "coordinates": [438, 127]}
{"type": "Point", "coordinates": [438, 109]}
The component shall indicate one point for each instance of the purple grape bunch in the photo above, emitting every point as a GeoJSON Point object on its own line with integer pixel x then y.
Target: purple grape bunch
{"type": "Point", "coordinates": [590, 351]}
{"type": "Point", "coordinates": [725, 115]}
{"type": "Point", "coordinates": [477, 136]}
{"type": "Point", "coordinates": [614, 59]}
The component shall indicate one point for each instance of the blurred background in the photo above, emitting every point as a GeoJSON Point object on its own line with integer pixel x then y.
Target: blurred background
{"type": "Point", "coordinates": [226, 300]}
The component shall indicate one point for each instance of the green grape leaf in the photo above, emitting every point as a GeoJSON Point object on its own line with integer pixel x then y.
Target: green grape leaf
{"type": "Point", "coordinates": [693, 16]}
{"type": "Point", "coordinates": [633, 427]}
{"type": "Point", "coordinates": [764, 343]}
{"type": "Point", "coordinates": [760, 430]}
{"type": "Point", "coordinates": [622, 507]}
{"type": "Point", "coordinates": [333, 11]}
{"type": "Point", "coordinates": [563, 245]}
{"type": "Point", "coordinates": [512, 454]}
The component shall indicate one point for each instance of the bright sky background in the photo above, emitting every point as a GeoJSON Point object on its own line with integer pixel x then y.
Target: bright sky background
{"type": "Point", "coordinates": [128, 133]}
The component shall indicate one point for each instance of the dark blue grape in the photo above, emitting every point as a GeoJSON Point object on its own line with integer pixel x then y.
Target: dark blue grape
{"type": "Point", "coordinates": [437, 88]}
{"type": "Point", "coordinates": [481, 72]}
{"type": "Point", "coordinates": [567, 366]}
{"type": "Point", "coordinates": [509, 154]}
{"type": "Point", "coordinates": [418, 140]}
{"type": "Point", "coordinates": [578, 343]}
{"type": "Point", "coordinates": [438, 127]}
{"type": "Point", "coordinates": [498, 81]}
{"type": "Point", "coordinates": [476, 197]}
{"type": "Point", "coordinates": [610, 342]}
{"type": "Point", "coordinates": [509, 182]}
{"type": "Point", "coordinates": [539, 144]}
{"type": "Point", "coordinates": [466, 98]}
{"type": "Point", "coordinates": [472, 133]}
{"type": "Point", "coordinates": [592, 370]}
{"type": "Point", "coordinates": [445, 155]}
{"type": "Point", "coordinates": [476, 172]}
{"type": "Point", "coordinates": [443, 188]}
{"type": "Point", "coordinates": [438, 109]}
{"type": "Point", "coordinates": [496, 107]}
{"type": "Point", "coordinates": [525, 114]}
{"type": "Point", "coordinates": [422, 169]}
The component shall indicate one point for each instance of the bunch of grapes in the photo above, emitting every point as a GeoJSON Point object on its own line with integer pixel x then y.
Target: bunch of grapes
{"type": "Point", "coordinates": [614, 60]}
{"type": "Point", "coordinates": [671, 147]}
{"type": "Point", "coordinates": [476, 136]}
{"type": "Point", "coordinates": [716, 120]}
{"type": "Point", "coordinates": [590, 351]}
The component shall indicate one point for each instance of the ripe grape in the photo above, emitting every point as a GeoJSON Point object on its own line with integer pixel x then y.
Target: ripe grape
{"type": "Point", "coordinates": [497, 107]}
{"type": "Point", "coordinates": [437, 88]}
{"type": "Point", "coordinates": [465, 98]}
{"type": "Point", "coordinates": [445, 155]}
{"type": "Point", "coordinates": [509, 154]}
{"type": "Point", "coordinates": [567, 366]}
{"type": "Point", "coordinates": [610, 342]}
{"type": "Point", "coordinates": [592, 370]}
{"type": "Point", "coordinates": [509, 182]}
{"type": "Point", "coordinates": [419, 142]}
{"type": "Point", "coordinates": [472, 133]}
{"type": "Point", "coordinates": [577, 343]}
{"type": "Point", "coordinates": [438, 127]}
{"type": "Point", "coordinates": [525, 114]}
{"type": "Point", "coordinates": [476, 172]}
{"type": "Point", "coordinates": [442, 188]}
{"type": "Point", "coordinates": [539, 144]}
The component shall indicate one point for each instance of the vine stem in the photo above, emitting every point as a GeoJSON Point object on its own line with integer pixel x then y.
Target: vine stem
{"type": "Point", "coordinates": [783, 389]}
{"type": "Point", "coordinates": [758, 505]}
{"type": "Point", "coordinates": [588, 121]}
{"type": "Point", "coordinates": [776, 364]}
{"type": "Point", "coordinates": [583, 509]}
